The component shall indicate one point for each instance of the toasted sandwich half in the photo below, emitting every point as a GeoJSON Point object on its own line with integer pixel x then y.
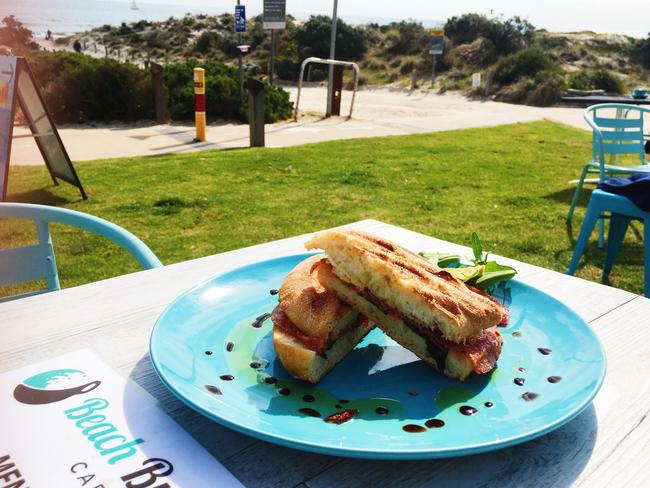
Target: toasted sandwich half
{"type": "Point", "coordinates": [312, 329]}
{"type": "Point", "coordinates": [422, 307]}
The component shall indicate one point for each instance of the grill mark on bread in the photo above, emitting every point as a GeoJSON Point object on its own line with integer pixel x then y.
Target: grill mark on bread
{"type": "Point", "coordinates": [450, 305]}
{"type": "Point", "coordinates": [479, 354]}
{"type": "Point", "coordinates": [389, 310]}
{"type": "Point", "coordinates": [379, 241]}
{"type": "Point", "coordinates": [414, 285]}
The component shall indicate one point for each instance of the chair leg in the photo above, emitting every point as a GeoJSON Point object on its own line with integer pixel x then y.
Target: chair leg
{"type": "Point", "coordinates": [593, 212]}
{"type": "Point", "coordinates": [601, 232]}
{"type": "Point", "coordinates": [646, 259]}
{"type": "Point", "coordinates": [617, 228]}
{"type": "Point", "coordinates": [576, 194]}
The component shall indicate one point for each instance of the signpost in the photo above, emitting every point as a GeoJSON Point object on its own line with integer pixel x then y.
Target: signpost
{"type": "Point", "coordinates": [274, 18]}
{"type": "Point", "coordinates": [240, 27]}
{"type": "Point", "coordinates": [330, 79]}
{"type": "Point", "coordinates": [436, 46]}
{"type": "Point", "coordinates": [17, 85]}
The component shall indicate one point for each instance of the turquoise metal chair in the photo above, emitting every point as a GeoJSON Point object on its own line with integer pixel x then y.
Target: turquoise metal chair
{"type": "Point", "coordinates": [622, 212]}
{"type": "Point", "coordinates": [611, 137]}
{"type": "Point", "coordinates": [37, 262]}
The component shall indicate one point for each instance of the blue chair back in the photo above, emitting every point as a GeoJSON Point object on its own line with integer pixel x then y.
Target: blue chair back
{"type": "Point", "coordinates": [617, 129]}
{"type": "Point", "coordinates": [37, 262]}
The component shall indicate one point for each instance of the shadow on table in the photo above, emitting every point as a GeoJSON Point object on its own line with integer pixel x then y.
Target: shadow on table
{"type": "Point", "coordinates": [555, 459]}
{"type": "Point", "coordinates": [220, 441]}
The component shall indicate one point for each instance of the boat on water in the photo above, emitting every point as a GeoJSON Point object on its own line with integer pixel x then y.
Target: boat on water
{"type": "Point", "coordinates": [134, 6]}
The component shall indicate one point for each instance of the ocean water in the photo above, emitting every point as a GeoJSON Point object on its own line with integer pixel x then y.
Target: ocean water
{"type": "Point", "coordinates": [70, 16]}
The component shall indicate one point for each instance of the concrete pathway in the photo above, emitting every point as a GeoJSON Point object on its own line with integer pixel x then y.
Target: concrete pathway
{"type": "Point", "coordinates": [379, 112]}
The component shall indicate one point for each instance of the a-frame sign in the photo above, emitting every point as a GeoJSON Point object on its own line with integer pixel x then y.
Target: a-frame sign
{"type": "Point", "coordinates": [17, 85]}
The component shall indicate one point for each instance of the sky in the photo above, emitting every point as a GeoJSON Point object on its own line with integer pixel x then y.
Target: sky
{"type": "Point", "coordinates": [630, 17]}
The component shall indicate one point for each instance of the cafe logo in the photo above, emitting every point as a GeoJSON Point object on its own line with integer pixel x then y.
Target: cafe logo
{"type": "Point", "coordinates": [53, 386]}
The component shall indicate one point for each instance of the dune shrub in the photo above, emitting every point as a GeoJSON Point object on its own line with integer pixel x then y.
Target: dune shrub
{"type": "Point", "coordinates": [525, 63]}
{"type": "Point", "coordinates": [598, 79]}
{"type": "Point", "coordinates": [79, 89]}
{"type": "Point", "coordinates": [507, 35]}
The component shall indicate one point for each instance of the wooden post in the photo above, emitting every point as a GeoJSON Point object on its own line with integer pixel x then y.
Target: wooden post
{"type": "Point", "coordinates": [161, 110]}
{"type": "Point", "coordinates": [337, 89]}
{"type": "Point", "coordinates": [256, 112]}
{"type": "Point", "coordinates": [414, 79]}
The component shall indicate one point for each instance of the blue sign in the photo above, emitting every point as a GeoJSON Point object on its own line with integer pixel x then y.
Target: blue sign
{"type": "Point", "coordinates": [240, 18]}
{"type": "Point", "coordinates": [437, 41]}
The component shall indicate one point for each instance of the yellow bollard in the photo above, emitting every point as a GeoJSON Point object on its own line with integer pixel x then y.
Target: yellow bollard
{"type": "Point", "coordinates": [199, 103]}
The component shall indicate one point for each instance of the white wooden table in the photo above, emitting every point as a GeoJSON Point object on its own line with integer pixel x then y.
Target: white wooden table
{"type": "Point", "coordinates": [607, 445]}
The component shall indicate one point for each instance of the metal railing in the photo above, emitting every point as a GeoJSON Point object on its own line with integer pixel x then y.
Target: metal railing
{"type": "Point", "coordinates": [354, 67]}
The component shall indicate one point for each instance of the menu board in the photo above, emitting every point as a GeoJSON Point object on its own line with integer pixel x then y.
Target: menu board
{"type": "Point", "coordinates": [7, 84]}
{"type": "Point", "coordinates": [72, 421]}
{"type": "Point", "coordinates": [19, 85]}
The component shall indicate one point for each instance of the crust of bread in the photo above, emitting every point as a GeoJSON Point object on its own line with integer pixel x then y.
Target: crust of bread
{"type": "Point", "coordinates": [307, 365]}
{"type": "Point", "coordinates": [405, 282]}
{"type": "Point", "coordinates": [310, 307]}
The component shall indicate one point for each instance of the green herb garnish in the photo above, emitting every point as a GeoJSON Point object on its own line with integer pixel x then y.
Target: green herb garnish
{"type": "Point", "coordinates": [483, 274]}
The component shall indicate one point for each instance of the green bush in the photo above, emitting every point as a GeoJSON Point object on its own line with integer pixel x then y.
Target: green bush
{"type": "Point", "coordinates": [221, 93]}
{"type": "Point", "coordinates": [313, 39]}
{"type": "Point", "coordinates": [221, 90]}
{"type": "Point", "coordinates": [598, 79]}
{"type": "Point", "coordinates": [410, 38]}
{"type": "Point", "coordinates": [641, 52]}
{"type": "Point", "coordinates": [205, 42]}
{"type": "Point", "coordinates": [525, 63]}
{"type": "Point", "coordinates": [407, 67]}
{"type": "Point", "coordinates": [78, 88]}
{"type": "Point", "coordinates": [276, 104]}
{"type": "Point", "coordinates": [508, 35]}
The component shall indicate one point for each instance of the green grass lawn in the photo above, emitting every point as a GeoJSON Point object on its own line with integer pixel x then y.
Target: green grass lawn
{"type": "Point", "coordinates": [508, 183]}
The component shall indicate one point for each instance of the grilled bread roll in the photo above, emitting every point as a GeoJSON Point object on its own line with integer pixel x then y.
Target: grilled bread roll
{"type": "Point", "coordinates": [312, 329]}
{"type": "Point", "coordinates": [437, 317]}
{"type": "Point", "coordinates": [400, 280]}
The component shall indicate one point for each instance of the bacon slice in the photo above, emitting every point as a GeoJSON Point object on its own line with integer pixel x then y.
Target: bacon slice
{"type": "Point", "coordinates": [281, 320]}
{"type": "Point", "coordinates": [483, 352]}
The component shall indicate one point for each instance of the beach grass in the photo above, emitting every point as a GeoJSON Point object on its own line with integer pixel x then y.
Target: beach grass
{"type": "Point", "coordinates": [508, 183]}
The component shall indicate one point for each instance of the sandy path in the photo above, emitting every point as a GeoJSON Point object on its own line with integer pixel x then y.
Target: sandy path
{"type": "Point", "coordinates": [377, 112]}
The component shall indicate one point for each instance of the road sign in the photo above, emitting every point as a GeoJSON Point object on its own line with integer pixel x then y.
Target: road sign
{"type": "Point", "coordinates": [437, 41]}
{"type": "Point", "coordinates": [275, 13]}
{"type": "Point", "coordinates": [240, 18]}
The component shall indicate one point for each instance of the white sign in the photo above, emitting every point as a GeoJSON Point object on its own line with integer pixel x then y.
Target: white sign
{"type": "Point", "coordinates": [73, 422]}
{"type": "Point", "coordinates": [476, 80]}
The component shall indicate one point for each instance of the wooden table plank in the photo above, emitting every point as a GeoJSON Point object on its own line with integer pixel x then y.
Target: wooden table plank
{"type": "Point", "coordinates": [115, 317]}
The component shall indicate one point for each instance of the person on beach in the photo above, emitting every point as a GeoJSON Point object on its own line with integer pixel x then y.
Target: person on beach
{"type": "Point", "coordinates": [48, 36]}
{"type": "Point", "coordinates": [76, 46]}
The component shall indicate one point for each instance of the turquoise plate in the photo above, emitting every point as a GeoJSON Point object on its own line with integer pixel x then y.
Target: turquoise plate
{"type": "Point", "coordinates": [211, 350]}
